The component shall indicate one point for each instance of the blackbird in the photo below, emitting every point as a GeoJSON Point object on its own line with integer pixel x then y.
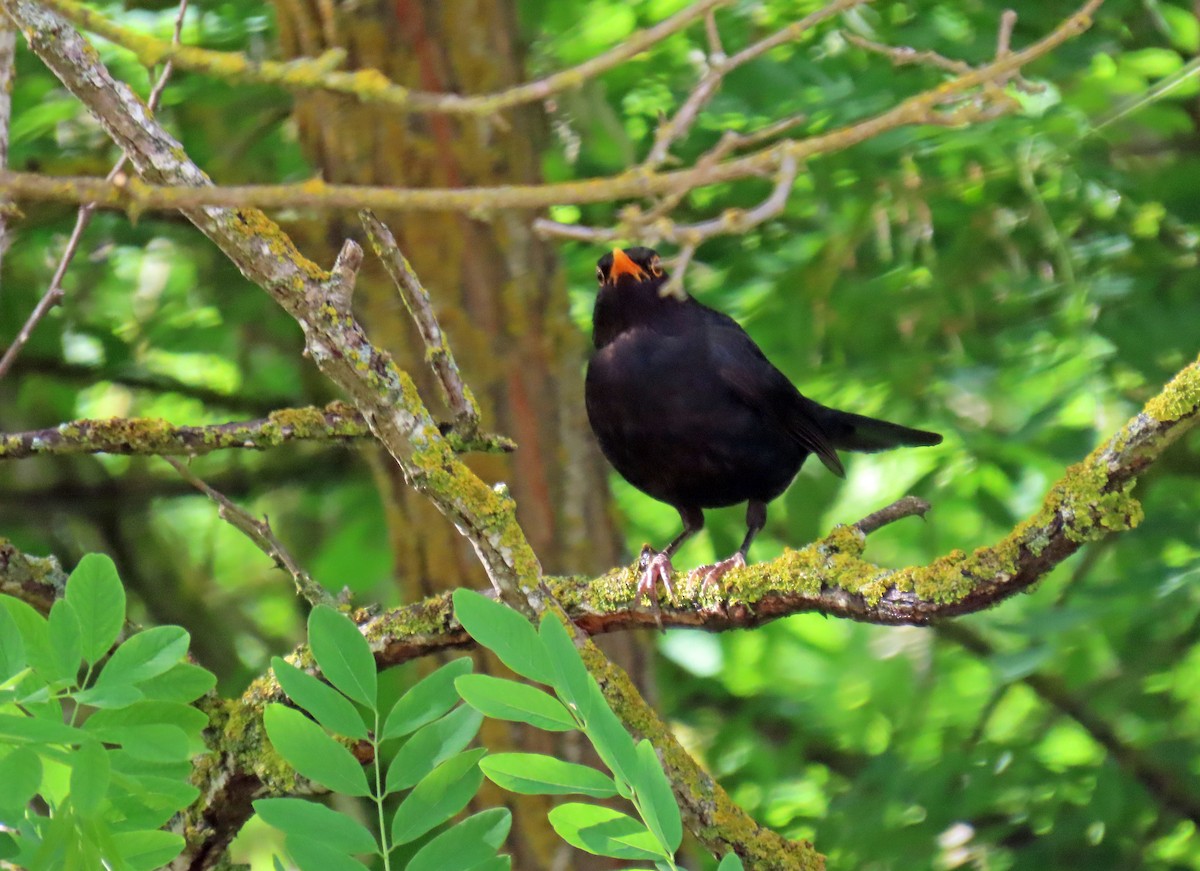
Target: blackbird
{"type": "Point", "coordinates": [691, 412]}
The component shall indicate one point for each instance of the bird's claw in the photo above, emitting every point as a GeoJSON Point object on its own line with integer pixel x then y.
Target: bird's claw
{"type": "Point", "coordinates": [711, 574]}
{"type": "Point", "coordinates": [655, 567]}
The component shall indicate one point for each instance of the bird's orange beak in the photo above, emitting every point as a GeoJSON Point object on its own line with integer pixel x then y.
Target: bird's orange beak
{"type": "Point", "coordinates": [623, 265]}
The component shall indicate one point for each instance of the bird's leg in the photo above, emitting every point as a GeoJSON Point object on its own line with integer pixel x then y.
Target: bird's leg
{"type": "Point", "coordinates": [657, 567]}
{"type": "Point", "coordinates": [756, 519]}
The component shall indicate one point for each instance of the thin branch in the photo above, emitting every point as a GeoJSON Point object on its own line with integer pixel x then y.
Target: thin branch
{"type": "Point", "coordinates": [903, 55]}
{"type": "Point", "coordinates": [437, 350]}
{"type": "Point", "coordinates": [136, 196]}
{"type": "Point", "coordinates": [336, 422]}
{"type": "Point", "coordinates": [730, 222]}
{"type": "Point", "coordinates": [370, 85]}
{"type": "Point", "coordinates": [8, 69]}
{"type": "Point", "coordinates": [54, 293]}
{"type": "Point", "coordinates": [909, 506]}
{"type": "Point", "coordinates": [259, 532]}
{"type": "Point", "coordinates": [720, 66]}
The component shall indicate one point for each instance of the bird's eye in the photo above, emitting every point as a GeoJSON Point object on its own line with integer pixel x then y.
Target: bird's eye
{"type": "Point", "coordinates": [600, 275]}
{"type": "Point", "coordinates": [656, 268]}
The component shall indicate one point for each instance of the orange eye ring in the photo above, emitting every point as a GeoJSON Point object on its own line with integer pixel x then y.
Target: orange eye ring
{"type": "Point", "coordinates": [656, 268]}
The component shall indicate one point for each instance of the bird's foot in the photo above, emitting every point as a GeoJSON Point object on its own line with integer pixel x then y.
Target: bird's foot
{"type": "Point", "coordinates": [655, 567]}
{"type": "Point", "coordinates": [711, 574]}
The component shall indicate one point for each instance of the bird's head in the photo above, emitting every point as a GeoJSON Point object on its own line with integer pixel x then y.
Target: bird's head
{"type": "Point", "coordinates": [633, 266]}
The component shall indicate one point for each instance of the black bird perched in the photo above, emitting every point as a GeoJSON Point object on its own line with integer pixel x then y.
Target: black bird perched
{"type": "Point", "coordinates": [690, 411]}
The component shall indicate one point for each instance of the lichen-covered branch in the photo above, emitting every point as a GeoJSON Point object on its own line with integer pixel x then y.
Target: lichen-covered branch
{"type": "Point", "coordinates": [928, 107]}
{"type": "Point", "coordinates": [336, 422]}
{"type": "Point", "coordinates": [370, 85]}
{"type": "Point", "coordinates": [35, 580]}
{"type": "Point", "coordinates": [152, 436]}
{"type": "Point", "coordinates": [416, 299]}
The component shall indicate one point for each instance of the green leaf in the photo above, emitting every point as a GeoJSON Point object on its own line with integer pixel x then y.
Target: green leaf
{"type": "Point", "coordinates": [604, 832]}
{"type": "Point", "coordinates": [427, 700]}
{"type": "Point", "coordinates": [146, 801]}
{"type": "Point", "coordinates": [95, 593]}
{"type": "Point", "coordinates": [21, 774]}
{"type": "Point", "coordinates": [612, 742]}
{"type": "Point", "coordinates": [35, 633]}
{"type": "Point", "coordinates": [18, 729]}
{"type": "Point", "coordinates": [182, 682]}
{"type": "Point", "coordinates": [65, 640]}
{"type": "Point", "coordinates": [343, 654]}
{"type": "Point", "coordinates": [440, 795]}
{"type": "Point", "coordinates": [504, 699]}
{"type": "Point", "coordinates": [463, 846]}
{"type": "Point", "coordinates": [294, 816]}
{"type": "Point", "coordinates": [149, 712]}
{"type": "Point", "coordinates": [90, 774]}
{"type": "Point", "coordinates": [154, 742]}
{"type": "Point", "coordinates": [430, 745]}
{"type": "Point", "coordinates": [656, 799]}
{"type": "Point", "coordinates": [9, 847]}
{"type": "Point", "coordinates": [731, 862]}
{"type": "Point", "coordinates": [145, 655]}
{"type": "Point", "coordinates": [112, 696]}
{"type": "Point", "coordinates": [535, 774]}
{"type": "Point", "coordinates": [331, 708]}
{"type": "Point", "coordinates": [12, 647]}
{"type": "Point", "coordinates": [570, 676]}
{"type": "Point", "coordinates": [496, 863]}
{"type": "Point", "coordinates": [312, 753]}
{"type": "Point", "coordinates": [504, 632]}
{"type": "Point", "coordinates": [149, 850]}
{"type": "Point", "coordinates": [311, 854]}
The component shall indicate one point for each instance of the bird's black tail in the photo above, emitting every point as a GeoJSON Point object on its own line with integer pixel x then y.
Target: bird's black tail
{"type": "Point", "coordinates": [854, 432]}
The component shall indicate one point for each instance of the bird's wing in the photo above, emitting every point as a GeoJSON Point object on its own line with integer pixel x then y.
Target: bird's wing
{"type": "Point", "coordinates": [746, 371]}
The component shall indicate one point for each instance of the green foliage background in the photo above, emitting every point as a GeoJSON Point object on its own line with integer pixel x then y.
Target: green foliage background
{"type": "Point", "coordinates": [1021, 286]}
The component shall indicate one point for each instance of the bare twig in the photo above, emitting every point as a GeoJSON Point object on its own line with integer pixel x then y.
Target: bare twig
{"type": "Point", "coordinates": [903, 55]}
{"type": "Point", "coordinates": [54, 293]}
{"type": "Point", "coordinates": [1008, 20]}
{"type": "Point", "coordinates": [437, 350]}
{"type": "Point", "coordinates": [654, 230]}
{"type": "Point", "coordinates": [259, 532]}
{"type": "Point", "coordinates": [371, 86]}
{"type": "Point", "coordinates": [683, 260]}
{"type": "Point", "coordinates": [909, 506]}
{"type": "Point", "coordinates": [720, 66]}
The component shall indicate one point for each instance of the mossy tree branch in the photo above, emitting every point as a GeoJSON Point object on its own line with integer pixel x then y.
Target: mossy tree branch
{"type": "Point", "coordinates": [370, 85]}
{"type": "Point", "coordinates": [337, 422]}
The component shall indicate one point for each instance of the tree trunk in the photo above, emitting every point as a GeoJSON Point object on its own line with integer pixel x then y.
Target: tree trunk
{"type": "Point", "coordinates": [498, 290]}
